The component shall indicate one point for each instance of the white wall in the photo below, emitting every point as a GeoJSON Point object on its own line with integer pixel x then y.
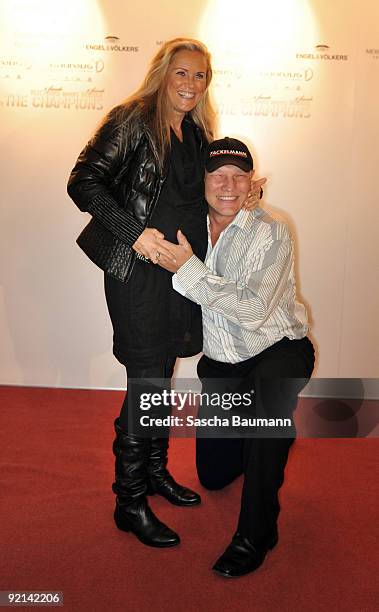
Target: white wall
{"type": "Point", "coordinates": [311, 122]}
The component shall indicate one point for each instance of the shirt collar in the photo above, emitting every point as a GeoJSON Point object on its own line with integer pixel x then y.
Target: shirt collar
{"type": "Point", "coordinates": [243, 219]}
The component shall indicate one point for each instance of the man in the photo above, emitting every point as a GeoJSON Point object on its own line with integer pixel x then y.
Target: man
{"type": "Point", "coordinates": [255, 331]}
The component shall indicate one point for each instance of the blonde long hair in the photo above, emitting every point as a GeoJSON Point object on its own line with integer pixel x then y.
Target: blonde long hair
{"type": "Point", "coordinates": [150, 100]}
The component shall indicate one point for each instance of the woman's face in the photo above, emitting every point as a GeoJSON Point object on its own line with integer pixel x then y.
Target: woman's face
{"type": "Point", "coordinates": [186, 80]}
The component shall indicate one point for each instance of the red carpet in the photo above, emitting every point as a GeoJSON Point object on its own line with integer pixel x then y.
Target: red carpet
{"type": "Point", "coordinates": [57, 531]}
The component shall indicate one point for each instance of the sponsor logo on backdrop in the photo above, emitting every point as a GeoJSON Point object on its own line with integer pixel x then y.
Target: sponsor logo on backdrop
{"type": "Point", "coordinates": [115, 47]}
{"type": "Point", "coordinates": [288, 75]}
{"type": "Point", "coordinates": [13, 68]}
{"type": "Point", "coordinates": [283, 93]}
{"type": "Point", "coordinates": [285, 75]}
{"type": "Point", "coordinates": [322, 56]}
{"type": "Point", "coordinates": [11, 63]}
{"type": "Point", "coordinates": [373, 53]}
{"type": "Point", "coordinates": [96, 67]}
{"type": "Point", "coordinates": [227, 73]}
{"type": "Point", "coordinates": [76, 71]}
{"type": "Point", "coordinates": [21, 68]}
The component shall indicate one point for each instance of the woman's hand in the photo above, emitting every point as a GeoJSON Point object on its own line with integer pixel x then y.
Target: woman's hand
{"type": "Point", "coordinates": [149, 244]}
{"type": "Point", "coordinates": [254, 194]}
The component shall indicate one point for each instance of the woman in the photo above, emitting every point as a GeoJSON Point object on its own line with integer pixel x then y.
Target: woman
{"type": "Point", "coordinates": [141, 179]}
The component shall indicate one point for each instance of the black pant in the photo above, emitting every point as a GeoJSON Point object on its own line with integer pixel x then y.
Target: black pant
{"type": "Point", "coordinates": [262, 460]}
{"type": "Point", "coordinates": [163, 370]}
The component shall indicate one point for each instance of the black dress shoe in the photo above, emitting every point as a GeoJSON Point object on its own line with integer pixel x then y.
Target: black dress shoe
{"type": "Point", "coordinates": [243, 556]}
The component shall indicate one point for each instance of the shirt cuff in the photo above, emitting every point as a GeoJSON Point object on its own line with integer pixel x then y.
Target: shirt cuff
{"type": "Point", "coordinates": [190, 273]}
{"type": "Point", "coordinates": [177, 286]}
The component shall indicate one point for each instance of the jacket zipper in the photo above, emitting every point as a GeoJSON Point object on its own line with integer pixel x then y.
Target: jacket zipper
{"type": "Point", "coordinates": [161, 179]}
{"type": "Point", "coordinates": [155, 196]}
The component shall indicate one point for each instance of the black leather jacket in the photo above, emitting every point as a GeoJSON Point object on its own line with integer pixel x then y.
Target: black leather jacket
{"type": "Point", "coordinates": [117, 179]}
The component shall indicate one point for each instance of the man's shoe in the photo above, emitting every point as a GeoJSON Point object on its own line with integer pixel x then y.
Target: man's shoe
{"type": "Point", "coordinates": [243, 556]}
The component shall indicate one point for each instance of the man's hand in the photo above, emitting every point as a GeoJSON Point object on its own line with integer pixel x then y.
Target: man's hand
{"type": "Point", "coordinates": [254, 194]}
{"type": "Point", "coordinates": [178, 254]}
{"type": "Point", "coordinates": [150, 245]}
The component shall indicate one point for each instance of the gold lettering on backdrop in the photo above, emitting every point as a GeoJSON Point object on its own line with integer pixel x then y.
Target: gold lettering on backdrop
{"type": "Point", "coordinates": [264, 106]}
{"type": "Point", "coordinates": [14, 100]}
{"type": "Point", "coordinates": [297, 108]}
{"type": "Point", "coordinates": [56, 97]}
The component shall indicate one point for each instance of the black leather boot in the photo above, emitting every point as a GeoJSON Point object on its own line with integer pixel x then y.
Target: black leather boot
{"type": "Point", "coordinates": [132, 511]}
{"type": "Point", "coordinates": [160, 480]}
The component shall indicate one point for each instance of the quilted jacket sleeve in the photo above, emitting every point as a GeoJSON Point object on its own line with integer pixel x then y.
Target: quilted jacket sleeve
{"type": "Point", "coordinates": [93, 173]}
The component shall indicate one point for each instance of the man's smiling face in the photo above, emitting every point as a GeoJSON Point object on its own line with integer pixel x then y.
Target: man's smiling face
{"type": "Point", "coordinates": [226, 189]}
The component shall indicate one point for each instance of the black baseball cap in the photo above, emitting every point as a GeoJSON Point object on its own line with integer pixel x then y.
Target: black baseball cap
{"type": "Point", "coordinates": [228, 151]}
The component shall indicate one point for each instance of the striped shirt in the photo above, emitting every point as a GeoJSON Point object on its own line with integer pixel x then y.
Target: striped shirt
{"type": "Point", "coordinates": [246, 288]}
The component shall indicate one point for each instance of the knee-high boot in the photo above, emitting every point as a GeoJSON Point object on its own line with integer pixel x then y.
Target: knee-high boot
{"type": "Point", "coordinates": [132, 511]}
{"type": "Point", "coordinates": [160, 480]}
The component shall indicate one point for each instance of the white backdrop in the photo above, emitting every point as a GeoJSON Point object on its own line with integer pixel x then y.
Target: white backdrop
{"type": "Point", "coordinates": [309, 114]}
